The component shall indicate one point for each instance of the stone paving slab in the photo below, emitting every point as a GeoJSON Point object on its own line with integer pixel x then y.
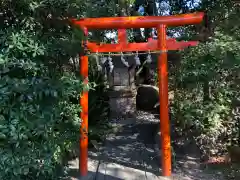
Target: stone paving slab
{"type": "Point", "coordinates": [121, 172]}
{"type": "Point", "coordinates": [113, 171]}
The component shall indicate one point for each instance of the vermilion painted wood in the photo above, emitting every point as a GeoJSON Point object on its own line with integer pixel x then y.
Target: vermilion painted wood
{"type": "Point", "coordinates": [122, 38]}
{"type": "Point", "coordinates": [163, 99]}
{"type": "Point", "coordinates": [138, 21]}
{"type": "Point", "coordinates": [83, 144]}
{"type": "Point", "coordinates": [151, 45]}
{"type": "Point", "coordinates": [83, 161]}
{"type": "Point", "coordinates": [162, 44]}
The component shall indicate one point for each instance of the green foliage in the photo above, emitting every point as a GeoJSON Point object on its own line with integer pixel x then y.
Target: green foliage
{"type": "Point", "coordinates": [209, 70]}
{"type": "Point", "coordinates": [39, 112]}
{"type": "Point", "coordinates": [38, 122]}
{"type": "Point", "coordinates": [98, 104]}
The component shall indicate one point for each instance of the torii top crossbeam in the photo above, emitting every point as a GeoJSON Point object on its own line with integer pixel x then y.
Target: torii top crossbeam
{"type": "Point", "coordinates": [138, 21]}
{"type": "Point", "coordinates": [122, 23]}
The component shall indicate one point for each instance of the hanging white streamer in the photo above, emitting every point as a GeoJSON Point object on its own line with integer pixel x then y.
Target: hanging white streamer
{"type": "Point", "coordinates": [103, 60]}
{"type": "Point", "coordinates": [105, 73]}
{"type": "Point", "coordinates": [137, 60]}
{"type": "Point", "coordinates": [149, 58]}
{"type": "Point", "coordinates": [97, 62]}
{"type": "Point", "coordinates": [110, 64]}
{"type": "Point", "coordinates": [124, 61]}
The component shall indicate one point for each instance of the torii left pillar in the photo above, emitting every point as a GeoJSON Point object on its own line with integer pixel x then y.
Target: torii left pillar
{"type": "Point", "coordinates": [120, 23]}
{"type": "Point", "coordinates": [83, 159]}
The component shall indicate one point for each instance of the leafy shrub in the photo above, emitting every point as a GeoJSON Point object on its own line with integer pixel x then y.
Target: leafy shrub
{"type": "Point", "coordinates": [205, 89]}
{"type": "Point", "coordinates": [98, 104]}
{"type": "Point", "coordinates": [39, 117]}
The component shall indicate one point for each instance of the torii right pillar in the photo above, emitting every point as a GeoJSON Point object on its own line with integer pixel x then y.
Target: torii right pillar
{"type": "Point", "coordinates": [163, 96]}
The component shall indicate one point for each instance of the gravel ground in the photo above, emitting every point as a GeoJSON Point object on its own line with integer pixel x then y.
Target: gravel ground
{"type": "Point", "coordinates": [139, 146]}
{"type": "Point", "coordinates": [133, 148]}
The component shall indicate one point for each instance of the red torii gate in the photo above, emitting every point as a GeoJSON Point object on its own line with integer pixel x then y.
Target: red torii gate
{"type": "Point", "coordinates": [151, 45]}
{"type": "Point", "coordinates": [161, 44]}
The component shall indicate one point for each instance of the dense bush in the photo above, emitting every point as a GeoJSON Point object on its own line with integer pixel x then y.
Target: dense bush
{"type": "Point", "coordinates": [98, 104]}
{"type": "Point", "coordinates": [206, 92]}
{"type": "Point", "coordinates": [39, 92]}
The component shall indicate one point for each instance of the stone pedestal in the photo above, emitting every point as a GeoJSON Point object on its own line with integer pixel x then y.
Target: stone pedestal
{"type": "Point", "coordinates": [122, 103]}
{"type": "Point", "coordinates": [122, 92]}
{"type": "Point", "coordinates": [121, 77]}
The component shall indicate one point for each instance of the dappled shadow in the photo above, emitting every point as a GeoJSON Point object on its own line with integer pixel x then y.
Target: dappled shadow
{"type": "Point", "coordinates": [227, 170]}
{"type": "Point", "coordinates": [135, 147]}
{"type": "Point", "coordinates": [132, 147]}
{"type": "Point", "coordinates": [182, 142]}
